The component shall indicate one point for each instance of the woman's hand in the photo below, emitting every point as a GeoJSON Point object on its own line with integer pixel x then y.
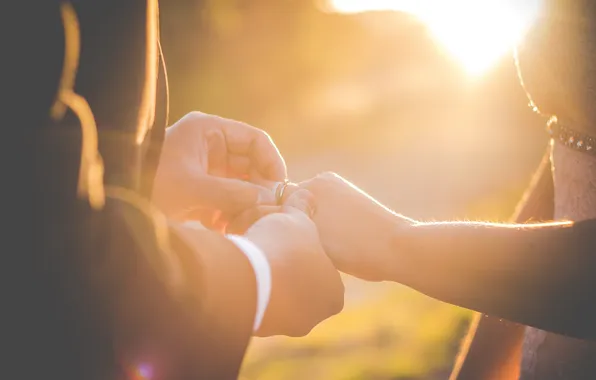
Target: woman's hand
{"type": "Point", "coordinates": [356, 231]}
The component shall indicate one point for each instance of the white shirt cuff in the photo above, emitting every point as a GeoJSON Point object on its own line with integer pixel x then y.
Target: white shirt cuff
{"type": "Point", "coordinates": [260, 265]}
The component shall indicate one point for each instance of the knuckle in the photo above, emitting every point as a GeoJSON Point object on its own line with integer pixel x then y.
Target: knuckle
{"type": "Point", "coordinates": [264, 140]}
{"type": "Point", "coordinates": [301, 330]}
{"type": "Point", "coordinates": [302, 199]}
{"type": "Point", "coordinates": [263, 134]}
{"type": "Point", "coordinates": [326, 306]}
{"type": "Point", "coordinates": [308, 196]}
{"type": "Point", "coordinates": [255, 133]}
{"type": "Point", "coordinates": [190, 121]}
{"type": "Point", "coordinates": [331, 302]}
{"type": "Point", "coordinates": [328, 175]}
{"type": "Point", "coordinates": [194, 116]}
{"type": "Point", "coordinates": [299, 326]}
{"type": "Point", "coordinates": [323, 180]}
{"type": "Point", "coordinates": [335, 307]}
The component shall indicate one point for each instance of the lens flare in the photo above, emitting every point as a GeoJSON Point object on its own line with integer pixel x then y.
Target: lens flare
{"type": "Point", "coordinates": [476, 33]}
{"type": "Point", "coordinates": [141, 371]}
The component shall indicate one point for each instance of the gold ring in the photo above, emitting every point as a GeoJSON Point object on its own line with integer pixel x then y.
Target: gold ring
{"type": "Point", "coordinates": [280, 189]}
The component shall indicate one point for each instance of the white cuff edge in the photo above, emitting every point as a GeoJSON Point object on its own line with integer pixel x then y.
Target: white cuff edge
{"type": "Point", "coordinates": [262, 270]}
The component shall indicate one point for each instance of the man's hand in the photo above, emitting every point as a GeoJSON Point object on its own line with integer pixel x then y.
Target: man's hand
{"type": "Point", "coordinates": [211, 169]}
{"type": "Point", "coordinates": [305, 286]}
{"type": "Point", "coordinates": [356, 231]}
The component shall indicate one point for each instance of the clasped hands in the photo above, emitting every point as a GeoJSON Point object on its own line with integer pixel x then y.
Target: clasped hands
{"type": "Point", "coordinates": [223, 173]}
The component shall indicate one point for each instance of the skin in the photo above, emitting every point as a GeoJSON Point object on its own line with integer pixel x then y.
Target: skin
{"type": "Point", "coordinates": [212, 169]}
{"type": "Point", "coordinates": [216, 171]}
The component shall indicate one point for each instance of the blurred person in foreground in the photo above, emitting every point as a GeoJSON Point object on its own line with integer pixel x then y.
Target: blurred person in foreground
{"type": "Point", "coordinates": [540, 278]}
{"type": "Point", "coordinates": [103, 284]}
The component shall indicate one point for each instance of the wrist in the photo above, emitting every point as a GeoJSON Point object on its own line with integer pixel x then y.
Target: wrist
{"type": "Point", "coordinates": [262, 270]}
{"type": "Point", "coordinates": [399, 250]}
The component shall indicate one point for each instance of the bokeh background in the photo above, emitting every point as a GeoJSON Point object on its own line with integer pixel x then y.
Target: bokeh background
{"type": "Point", "coordinates": [381, 99]}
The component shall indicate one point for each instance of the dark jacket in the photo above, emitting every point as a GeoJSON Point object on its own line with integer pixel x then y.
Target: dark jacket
{"type": "Point", "coordinates": [98, 293]}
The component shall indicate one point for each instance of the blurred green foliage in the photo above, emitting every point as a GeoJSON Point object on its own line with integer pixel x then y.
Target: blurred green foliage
{"type": "Point", "coordinates": [375, 99]}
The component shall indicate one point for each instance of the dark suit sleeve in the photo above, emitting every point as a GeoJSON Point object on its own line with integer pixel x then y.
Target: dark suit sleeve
{"type": "Point", "coordinates": [225, 280]}
{"type": "Point", "coordinates": [542, 277]}
{"type": "Point", "coordinates": [185, 304]}
{"type": "Point", "coordinates": [105, 296]}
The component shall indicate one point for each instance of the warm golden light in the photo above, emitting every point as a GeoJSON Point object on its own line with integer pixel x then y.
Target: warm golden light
{"type": "Point", "coordinates": [476, 32]}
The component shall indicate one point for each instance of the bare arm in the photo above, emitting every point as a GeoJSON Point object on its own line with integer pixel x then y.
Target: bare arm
{"type": "Point", "coordinates": [492, 347]}
{"type": "Point", "coordinates": [539, 275]}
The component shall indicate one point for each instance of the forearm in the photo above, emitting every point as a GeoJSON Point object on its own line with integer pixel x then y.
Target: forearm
{"type": "Point", "coordinates": [222, 283]}
{"type": "Point", "coordinates": [217, 269]}
{"type": "Point", "coordinates": [493, 346]}
{"type": "Point", "coordinates": [538, 275]}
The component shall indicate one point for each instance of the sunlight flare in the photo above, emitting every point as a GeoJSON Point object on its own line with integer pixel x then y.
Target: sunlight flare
{"type": "Point", "coordinates": [476, 33]}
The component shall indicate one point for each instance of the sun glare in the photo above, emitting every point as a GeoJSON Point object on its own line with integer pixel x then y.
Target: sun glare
{"type": "Point", "coordinates": [476, 32]}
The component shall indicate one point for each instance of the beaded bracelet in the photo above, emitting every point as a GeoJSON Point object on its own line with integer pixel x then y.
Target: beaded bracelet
{"type": "Point", "coordinates": [570, 138]}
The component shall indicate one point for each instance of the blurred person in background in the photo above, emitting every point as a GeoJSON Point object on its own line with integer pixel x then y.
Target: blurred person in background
{"type": "Point", "coordinates": [556, 65]}
{"type": "Point", "coordinates": [103, 285]}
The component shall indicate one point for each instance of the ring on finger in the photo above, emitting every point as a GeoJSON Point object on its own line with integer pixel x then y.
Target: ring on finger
{"type": "Point", "coordinates": [280, 189]}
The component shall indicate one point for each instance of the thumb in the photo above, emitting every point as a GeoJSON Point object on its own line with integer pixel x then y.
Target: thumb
{"type": "Point", "coordinates": [231, 196]}
{"type": "Point", "coordinates": [302, 200]}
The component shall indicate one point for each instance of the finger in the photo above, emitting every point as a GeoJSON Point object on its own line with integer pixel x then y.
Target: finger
{"type": "Point", "coordinates": [217, 153]}
{"type": "Point", "coordinates": [238, 166]}
{"type": "Point", "coordinates": [257, 145]}
{"type": "Point", "coordinates": [271, 185]}
{"type": "Point", "coordinates": [246, 219]}
{"type": "Point", "coordinates": [309, 184]}
{"type": "Point", "coordinates": [267, 159]}
{"type": "Point", "coordinates": [290, 189]}
{"type": "Point", "coordinates": [302, 200]}
{"type": "Point", "coordinates": [242, 167]}
{"type": "Point", "coordinates": [324, 184]}
{"type": "Point", "coordinates": [242, 139]}
{"type": "Point", "coordinates": [255, 176]}
{"type": "Point", "coordinates": [207, 217]}
{"type": "Point", "coordinates": [230, 196]}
